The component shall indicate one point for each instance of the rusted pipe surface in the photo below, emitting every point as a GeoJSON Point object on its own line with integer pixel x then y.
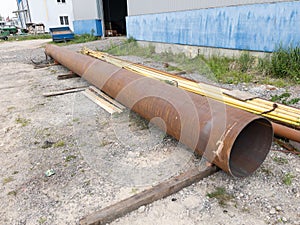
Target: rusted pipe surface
{"type": "Point", "coordinates": [234, 140]}
{"type": "Point", "coordinates": [286, 132]}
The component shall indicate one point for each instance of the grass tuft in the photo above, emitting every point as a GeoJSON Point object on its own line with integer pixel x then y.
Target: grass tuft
{"type": "Point", "coordinates": [287, 179]}
{"type": "Point", "coordinates": [221, 195]}
{"type": "Point", "coordinates": [7, 180]}
{"type": "Point", "coordinates": [59, 144]}
{"type": "Point", "coordinates": [24, 122]}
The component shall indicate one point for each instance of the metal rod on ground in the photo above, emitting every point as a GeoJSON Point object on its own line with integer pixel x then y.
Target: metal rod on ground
{"type": "Point", "coordinates": [65, 91]}
{"type": "Point", "coordinates": [146, 197]}
{"type": "Point", "coordinates": [287, 132]}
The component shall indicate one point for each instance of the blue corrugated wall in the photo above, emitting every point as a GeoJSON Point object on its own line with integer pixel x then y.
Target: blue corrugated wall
{"type": "Point", "coordinates": [86, 26]}
{"type": "Point", "coordinates": [258, 27]}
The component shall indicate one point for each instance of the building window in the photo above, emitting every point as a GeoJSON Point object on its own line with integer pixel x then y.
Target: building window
{"type": "Point", "coordinates": [61, 1]}
{"type": "Point", "coordinates": [64, 20]}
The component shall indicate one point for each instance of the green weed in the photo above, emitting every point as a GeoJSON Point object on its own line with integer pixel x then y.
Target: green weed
{"type": "Point", "coordinates": [246, 68]}
{"type": "Point", "coordinates": [42, 220]}
{"type": "Point", "coordinates": [29, 37]}
{"type": "Point", "coordinates": [12, 193]}
{"type": "Point", "coordinates": [284, 99]}
{"type": "Point", "coordinates": [59, 144]}
{"type": "Point", "coordinates": [221, 195]}
{"type": "Point", "coordinates": [104, 143]}
{"type": "Point", "coordinates": [280, 160]}
{"type": "Point", "coordinates": [24, 122]}
{"type": "Point", "coordinates": [287, 179]}
{"type": "Point", "coordinates": [245, 62]}
{"type": "Point", "coordinates": [78, 39]}
{"type": "Point", "coordinates": [7, 180]}
{"type": "Point", "coordinates": [70, 158]}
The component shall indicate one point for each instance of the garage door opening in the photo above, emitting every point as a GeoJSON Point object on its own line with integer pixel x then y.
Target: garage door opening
{"type": "Point", "coordinates": [115, 12]}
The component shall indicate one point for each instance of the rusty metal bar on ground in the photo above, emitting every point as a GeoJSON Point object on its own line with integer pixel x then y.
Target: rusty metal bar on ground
{"type": "Point", "coordinates": [287, 132]}
{"type": "Point", "coordinates": [234, 140]}
{"type": "Point", "coordinates": [162, 190]}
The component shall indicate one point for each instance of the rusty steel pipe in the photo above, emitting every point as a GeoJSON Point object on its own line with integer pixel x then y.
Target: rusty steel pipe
{"type": "Point", "coordinates": [234, 140]}
{"type": "Point", "coordinates": [286, 132]}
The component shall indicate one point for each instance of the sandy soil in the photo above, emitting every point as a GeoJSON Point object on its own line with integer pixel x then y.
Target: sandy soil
{"type": "Point", "coordinates": [100, 159]}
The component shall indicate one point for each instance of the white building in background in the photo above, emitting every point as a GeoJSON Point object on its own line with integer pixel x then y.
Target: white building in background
{"type": "Point", "coordinates": [52, 13]}
{"type": "Point", "coordinates": [82, 16]}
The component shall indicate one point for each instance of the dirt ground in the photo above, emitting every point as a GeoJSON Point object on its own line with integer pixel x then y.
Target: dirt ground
{"type": "Point", "coordinates": [98, 159]}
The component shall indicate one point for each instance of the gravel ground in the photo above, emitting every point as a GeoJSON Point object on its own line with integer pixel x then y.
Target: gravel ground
{"type": "Point", "coordinates": [100, 159]}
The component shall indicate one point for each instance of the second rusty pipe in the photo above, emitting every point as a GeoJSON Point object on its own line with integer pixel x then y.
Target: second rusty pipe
{"type": "Point", "coordinates": [234, 140]}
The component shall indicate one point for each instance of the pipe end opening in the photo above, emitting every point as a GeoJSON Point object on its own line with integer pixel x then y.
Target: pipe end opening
{"type": "Point", "coordinates": [251, 147]}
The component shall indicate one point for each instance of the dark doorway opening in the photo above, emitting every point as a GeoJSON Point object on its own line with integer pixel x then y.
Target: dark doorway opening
{"type": "Point", "coordinates": [115, 12]}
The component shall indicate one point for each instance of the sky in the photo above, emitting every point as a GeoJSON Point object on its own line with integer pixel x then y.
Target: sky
{"type": "Point", "coordinates": [7, 7]}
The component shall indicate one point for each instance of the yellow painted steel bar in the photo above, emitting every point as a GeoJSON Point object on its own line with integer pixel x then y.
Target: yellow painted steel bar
{"type": "Point", "coordinates": [256, 101]}
{"type": "Point", "coordinates": [218, 96]}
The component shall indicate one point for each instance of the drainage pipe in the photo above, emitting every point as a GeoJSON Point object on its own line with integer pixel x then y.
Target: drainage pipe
{"type": "Point", "coordinates": [236, 141]}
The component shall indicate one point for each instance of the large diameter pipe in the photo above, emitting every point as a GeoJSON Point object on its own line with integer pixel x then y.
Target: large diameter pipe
{"type": "Point", "coordinates": [234, 140]}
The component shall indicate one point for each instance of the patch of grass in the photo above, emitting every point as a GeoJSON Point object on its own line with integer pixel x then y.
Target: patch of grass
{"type": "Point", "coordinates": [288, 179]}
{"type": "Point", "coordinates": [277, 82]}
{"type": "Point", "coordinates": [245, 62]}
{"type": "Point", "coordinates": [24, 122]}
{"type": "Point", "coordinates": [12, 193]}
{"type": "Point", "coordinates": [134, 190]}
{"type": "Point", "coordinates": [221, 195]}
{"type": "Point", "coordinates": [75, 120]}
{"type": "Point", "coordinates": [104, 143]}
{"type": "Point", "coordinates": [284, 99]}
{"type": "Point", "coordinates": [172, 68]}
{"type": "Point", "coordinates": [280, 160]}
{"type": "Point", "coordinates": [7, 180]}
{"type": "Point", "coordinates": [42, 220]}
{"type": "Point", "coordinates": [266, 171]}
{"type": "Point", "coordinates": [59, 144]}
{"type": "Point", "coordinates": [215, 67]}
{"type": "Point", "coordinates": [78, 39]}
{"type": "Point", "coordinates": [281, 68]}
{"type": "Point", "coordinates": [285, 62]}
{"type": "Point", "coordinates": [29, 37]}
{"type": "Point", "coordinates": [130, 47]}
{"type": "Point", "coordinates": [70, 158]}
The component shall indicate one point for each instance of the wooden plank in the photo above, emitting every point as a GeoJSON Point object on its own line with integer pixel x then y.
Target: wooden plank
{"type": "Point", "coordinates": [240, 95]}
{"type": "Point", "coordinates": [107, 106]}
{"type": "Point", "coordinates": [114, 102]}
{"type": "Point", "coordinates": [67, 76]}
{"type": "Point", "coordinates": [65, 91]}
{"type": "Point", "coordinates": [155, 193]}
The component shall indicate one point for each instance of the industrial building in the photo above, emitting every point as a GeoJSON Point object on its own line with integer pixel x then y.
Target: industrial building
{"type": "Point", "coordinates": [256, 25]}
